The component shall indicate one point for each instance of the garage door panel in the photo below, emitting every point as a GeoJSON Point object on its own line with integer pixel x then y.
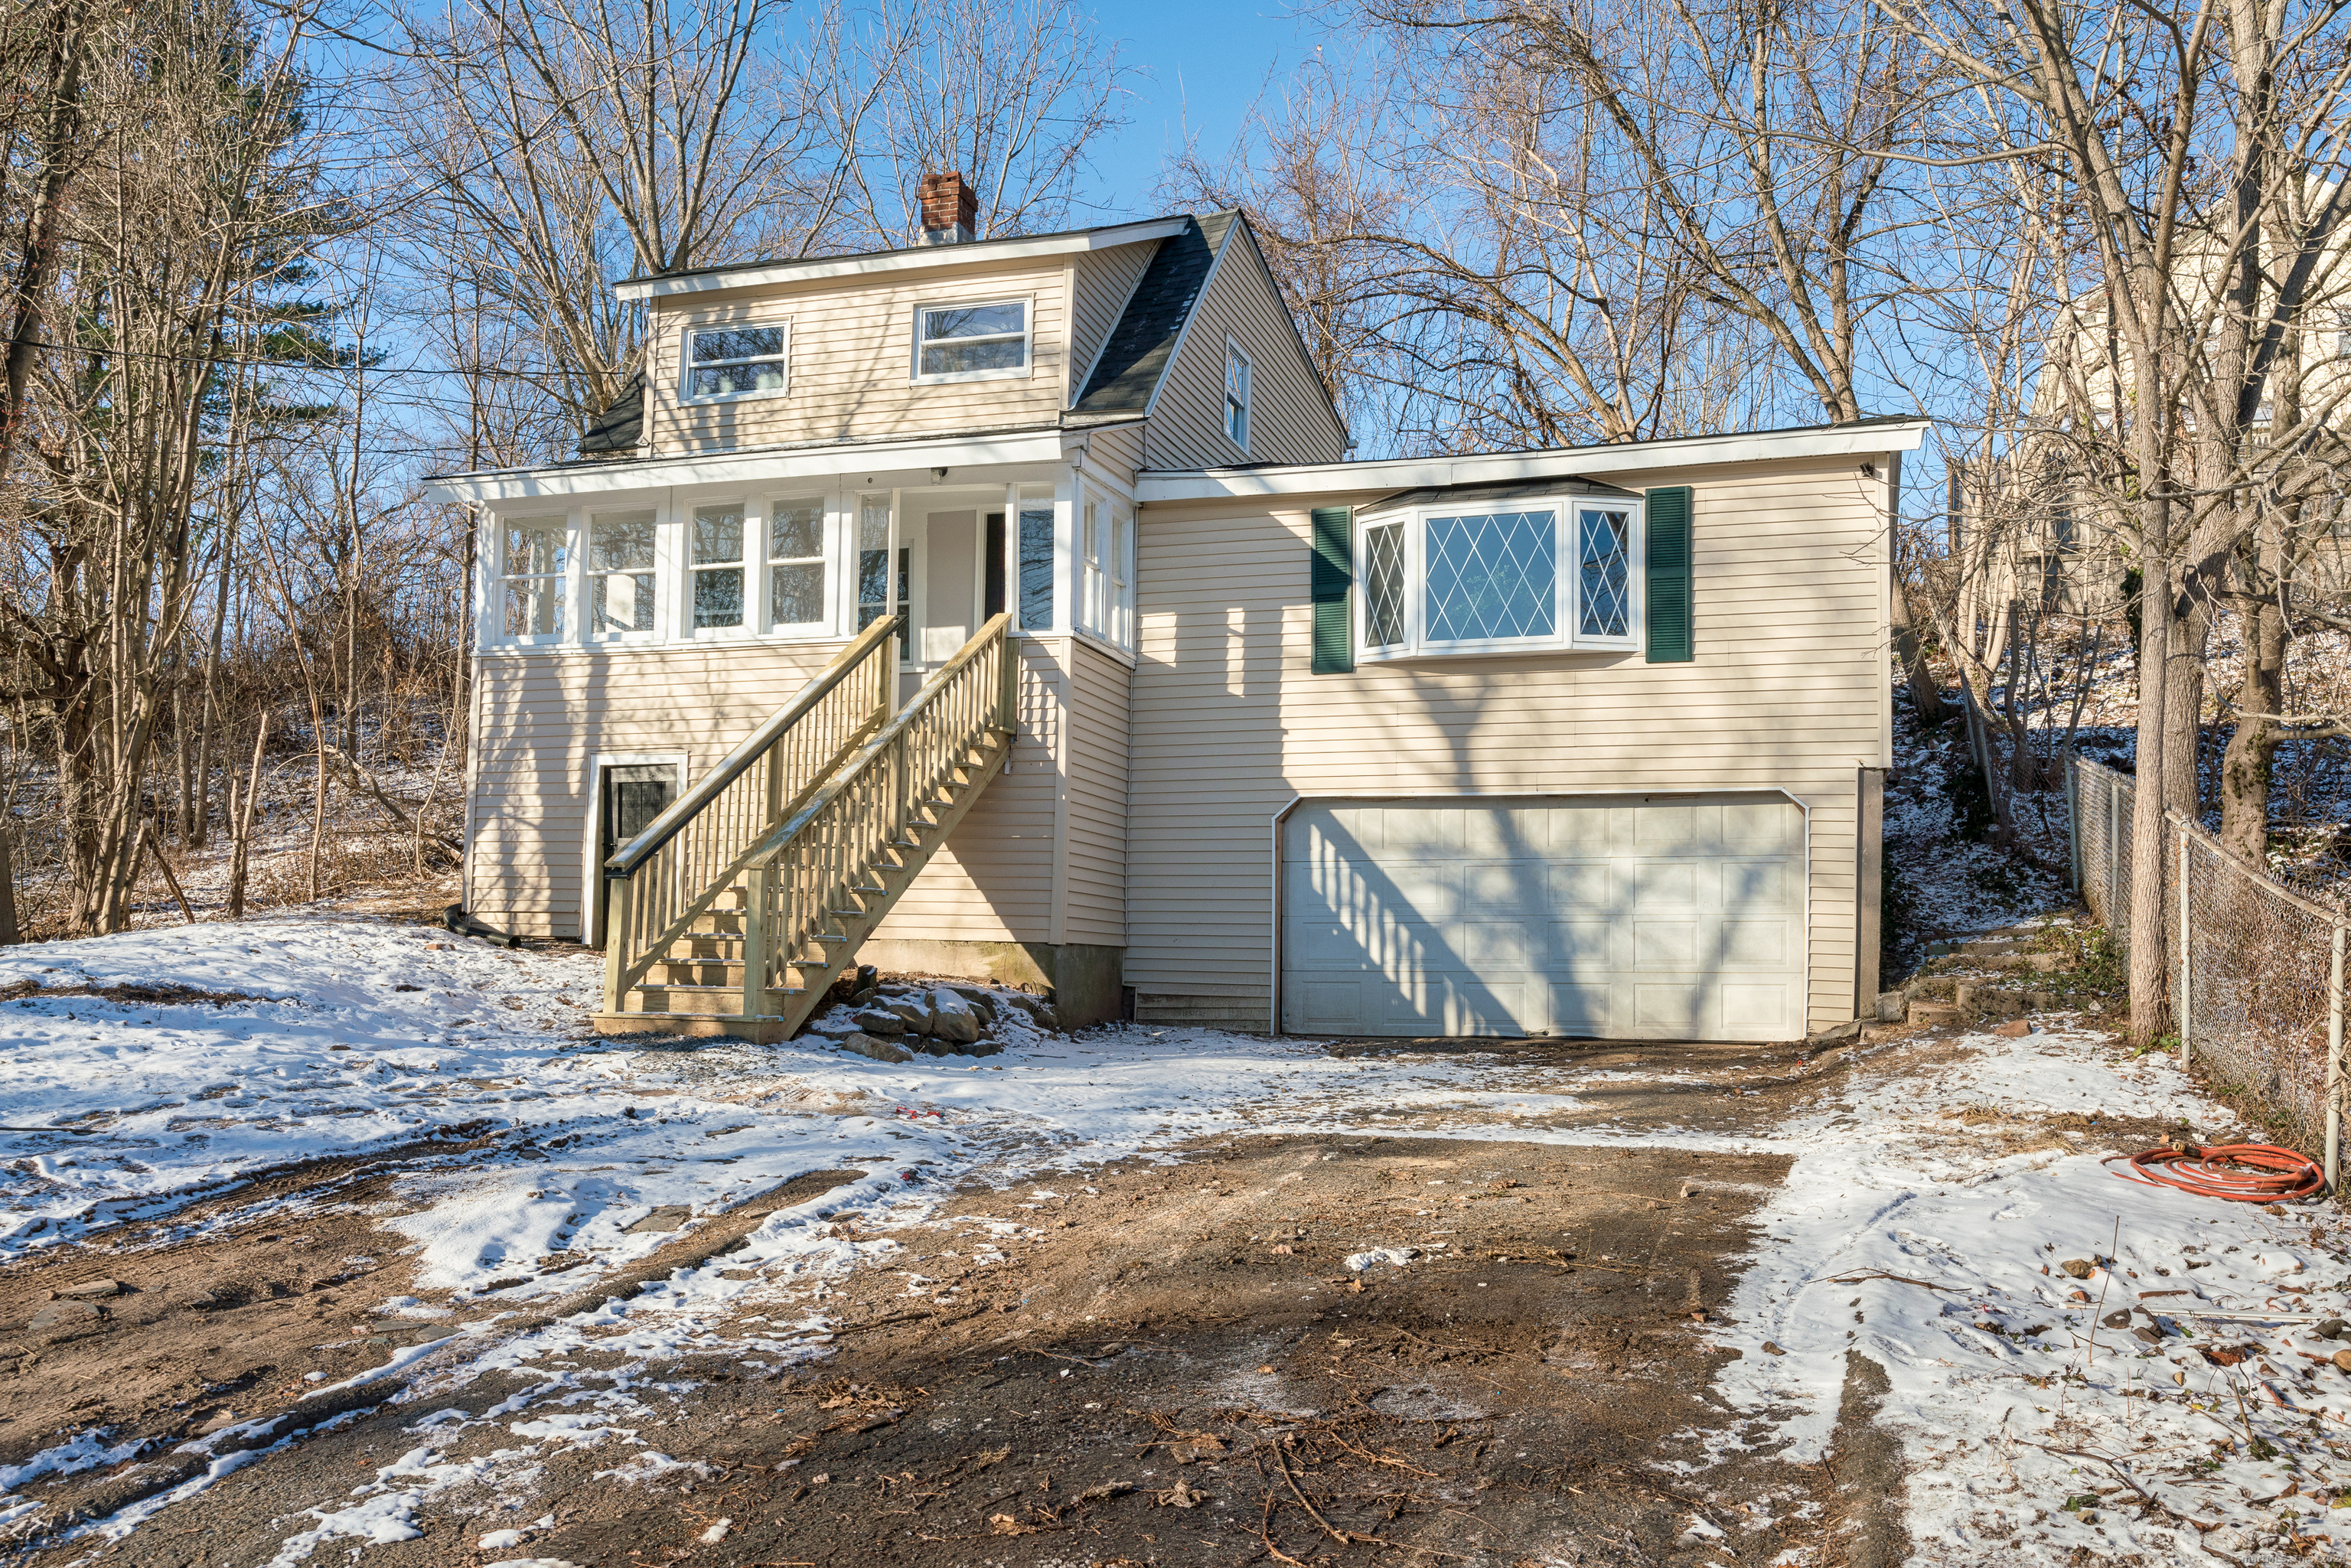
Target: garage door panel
{"type": "Point", "coordinates": [1666, 884]}
{"type": "Point", "coordinates": [1654, 919]}
{"type": "Point", "coordinates": [1579, 886]}
{"type": "Point", "coordinates": [1755, 944]}
{"type": "Point", "coordinates": [1758, 885]}
{"type": "Point", "coordinates": [1749, 1007]}
{"type": "Point", "coordinates": [1483, 947]}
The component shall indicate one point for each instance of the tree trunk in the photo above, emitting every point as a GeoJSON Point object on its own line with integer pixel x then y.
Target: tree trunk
{"type": "Point", "coordinates": [2150, 932]}
{"type": "Point", "coordinates": [2183, 701]}
{"type": "Point", "coordinates": [1926, 696]}
{"type": "Point", "coordinates": [2252, 746]}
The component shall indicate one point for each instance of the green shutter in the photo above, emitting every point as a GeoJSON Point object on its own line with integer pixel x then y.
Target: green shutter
{"type": "Point", "coordinates": [1668, 559]}
{"type": "Point", "coordinates": [1333, 574]}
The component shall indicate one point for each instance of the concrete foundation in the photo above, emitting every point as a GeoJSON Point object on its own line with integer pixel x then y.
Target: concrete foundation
{"type": "Point", "coordinates": [1084, 980]}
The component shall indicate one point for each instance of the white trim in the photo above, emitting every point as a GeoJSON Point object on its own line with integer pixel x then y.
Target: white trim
{"type": "Point", "coordinates": [755, 467]}
{"type": "Point", "coordinates": [1233, 350]}
{"type": "Point", "coordinates": [591, 881]}
{"type": "Point", "coordinates": [916, 376]}
{"type": "Point", "coordinates": [686, 365]}
{"type": "Point", "coordinates": [1804, 997]}
{"type": "Point", "coordinates": [1557, 463]}
{"type": "Point", "coordinates": [935, 256]}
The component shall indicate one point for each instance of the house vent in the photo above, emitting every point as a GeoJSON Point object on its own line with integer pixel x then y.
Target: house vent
{"type": "Point", "coordinates": [950, 207]}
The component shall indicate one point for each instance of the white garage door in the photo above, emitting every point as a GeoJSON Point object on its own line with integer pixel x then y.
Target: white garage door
{"type": "Point", "coordinates": [1667, 917]}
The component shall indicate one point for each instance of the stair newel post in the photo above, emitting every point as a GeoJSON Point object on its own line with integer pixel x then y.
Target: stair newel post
{"type": "Point", "coordinates": [616, 939]}
{"type": "Point", "coordinates": [1008, 664]}
{"type": "Point", "coordinates": [754, 942]}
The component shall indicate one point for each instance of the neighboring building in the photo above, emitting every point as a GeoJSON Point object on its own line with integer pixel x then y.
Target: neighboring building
{"type": "Point", "coordinates": [1579, 742]}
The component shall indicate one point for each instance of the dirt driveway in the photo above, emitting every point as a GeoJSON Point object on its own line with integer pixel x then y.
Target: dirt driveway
{"type": "Point", "coordinates": [1184, 1358]}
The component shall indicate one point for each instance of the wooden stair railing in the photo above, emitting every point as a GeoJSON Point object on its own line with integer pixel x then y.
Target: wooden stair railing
{"type": "Point", "coordinates": [808, 894]}
{"type": "Point", "coordinates": [661, 882]}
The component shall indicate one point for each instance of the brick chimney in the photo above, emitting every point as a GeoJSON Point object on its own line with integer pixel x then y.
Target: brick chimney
{"type": "Point", "coordinates": [949, 209]}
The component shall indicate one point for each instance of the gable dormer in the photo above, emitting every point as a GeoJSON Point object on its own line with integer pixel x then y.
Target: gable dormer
{"type": "Point", "coordinates": [952, 335]}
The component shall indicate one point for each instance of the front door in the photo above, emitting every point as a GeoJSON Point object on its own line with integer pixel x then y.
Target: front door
{"type": "Point", "coordinates": [630, 796]}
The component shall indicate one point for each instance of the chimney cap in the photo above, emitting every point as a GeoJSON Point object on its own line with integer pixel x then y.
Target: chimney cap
{"type": "Point", "coordinates": [950, 208]}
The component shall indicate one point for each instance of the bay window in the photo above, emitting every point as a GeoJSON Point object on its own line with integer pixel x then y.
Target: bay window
{"type": "Point", "coordinates": [1533, 574]}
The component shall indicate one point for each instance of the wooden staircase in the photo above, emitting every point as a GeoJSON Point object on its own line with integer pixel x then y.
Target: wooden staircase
{"type": "Point", "coordinates": [733, 914]}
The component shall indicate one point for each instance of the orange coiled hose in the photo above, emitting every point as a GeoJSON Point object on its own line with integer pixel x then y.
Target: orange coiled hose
{"type": "Point", "coordinates": [2240, 1173]}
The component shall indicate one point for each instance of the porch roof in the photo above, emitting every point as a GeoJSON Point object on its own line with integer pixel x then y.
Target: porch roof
{"type": "Point", "coordinates": [971, 448]}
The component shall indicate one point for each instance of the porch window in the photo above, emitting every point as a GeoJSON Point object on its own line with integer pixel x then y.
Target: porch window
{"type": "Point", "coordinates": [717, 566]}
{"type": "Point", "coordinates": [796, 563]}
{"type": "Point", "coordinates": [621, 576]}
{"type": "Point", "coordinates": [1535, 574]}
{"type": "Point", "coordinates": [1122, 574]}
{"type": "Point", "coordinates": [737, 362]}
{"type": "Point", "coordinates": [1093, 606]}
{"type": "Point", "coordinates": [971, 343]}
{"type": "Point", "coordinates": [873, 561]}
{"type": "Point", "coordinates": [1036, 566]}
{"type": "Point", "coordinates": [1236, 394]}
{"type": "Point", "coordinates": [537, 560]}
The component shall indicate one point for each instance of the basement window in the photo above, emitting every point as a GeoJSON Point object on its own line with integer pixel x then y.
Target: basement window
{"type": "Point", "coordinates": [1535, 574]}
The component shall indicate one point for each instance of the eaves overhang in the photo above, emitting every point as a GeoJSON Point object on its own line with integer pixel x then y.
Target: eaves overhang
{"type": "Point", "coordinates": [968, 449]}
{"type": "Point", "coordinates": [754, 274]}
{"type": "Point", "coordinates": [1859, 437]}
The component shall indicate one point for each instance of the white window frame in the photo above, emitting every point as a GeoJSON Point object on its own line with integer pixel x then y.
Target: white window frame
{"type": "Point", "coordinates": [1124, 544]}
{"type": "Point", "coordinates": [1239, 408]}
{"type": "Point", "coordinates": [781, 358]}
{"type": "Point", "coordinates": [749, 563]}
{"type": "Point", "coordinates": [827, 558]}
{"type": "Point", "coordinates": [588, 576]}
{"type": "Point", "coordinates": [1094, 566]}
{"type": "Point", "coordinates": [565, 526]}
{"type": "Point", "coordinates": [1567, 617]}
{"type": "Point", "coordinates": [1028, 366]}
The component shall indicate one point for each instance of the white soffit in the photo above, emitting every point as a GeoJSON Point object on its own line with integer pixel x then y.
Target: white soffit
{"type": "Point", "coordinates": [1581, 462]}
{"type": "Point", "coordinates": [930, 256]}
{"type": "Point", "coordinates": [1044, 446]}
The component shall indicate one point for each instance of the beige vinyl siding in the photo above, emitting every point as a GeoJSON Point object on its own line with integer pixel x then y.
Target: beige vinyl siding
{"type": "Point", "coordinates": [851, 359]}
{"type": "Point", "coordinates": [992, 881]}
{"type": "Point", "coordinates": [1116, 451]}
{"type": "Point", "coordinates": [540, 716]}
{"type": "Point", "coordinates": [1093, 838]}
{"type": "Point", "coordinates": [1290, 417]}
{"type": "Point", "coordinates": [1101, 281]}
{"type": "Point", "coordinates": [1787, 692]}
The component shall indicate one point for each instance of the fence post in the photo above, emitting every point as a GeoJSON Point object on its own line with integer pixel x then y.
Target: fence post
{"type": "Point", "coordinates": [2186, 1052]}
{"type": "Point", "coordinates": [2335, 1063]}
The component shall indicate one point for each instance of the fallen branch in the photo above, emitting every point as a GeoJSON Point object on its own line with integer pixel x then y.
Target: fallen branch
{"type": "Point", "coordinates": [1899, 1279]}
{"type": "Point", "coordinates": [2122, 1475]}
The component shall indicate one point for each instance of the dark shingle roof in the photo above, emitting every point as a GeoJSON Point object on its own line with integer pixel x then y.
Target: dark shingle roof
{"type": "Point", "coordinates": [1144, 338]}
{"type": "Point", "coordinates": [620, 427]}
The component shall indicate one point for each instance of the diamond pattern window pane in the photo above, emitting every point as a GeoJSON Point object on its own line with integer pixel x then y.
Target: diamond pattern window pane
{"type": "Point", "coordinates": [1604, 550]}
{"type": "Point", "coordinates": [1383, 586]}
{"type": "Point", "coordinates": [1493, 576]}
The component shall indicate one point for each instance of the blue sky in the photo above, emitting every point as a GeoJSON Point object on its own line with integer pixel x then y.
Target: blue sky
{"type": "Point", "coordinates": [1198, 65]}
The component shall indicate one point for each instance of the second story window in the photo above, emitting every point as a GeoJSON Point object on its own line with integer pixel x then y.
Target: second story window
{"type": "Point", "coordinates": [971, 343]}
{"type": "Point", "coordinates": [717, 566]}
{"type": "Point", "coordinates": [1237, 396]}
{"type": "Point", "coordinates": [736, 362]}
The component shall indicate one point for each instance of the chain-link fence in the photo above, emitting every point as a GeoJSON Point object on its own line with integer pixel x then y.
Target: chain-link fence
{"type": "Point", "coordinates": [2255, 965]}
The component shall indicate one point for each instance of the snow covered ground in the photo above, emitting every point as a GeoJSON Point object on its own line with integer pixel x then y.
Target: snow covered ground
{"type": "Point", "coordinates": [1930, 1242]}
